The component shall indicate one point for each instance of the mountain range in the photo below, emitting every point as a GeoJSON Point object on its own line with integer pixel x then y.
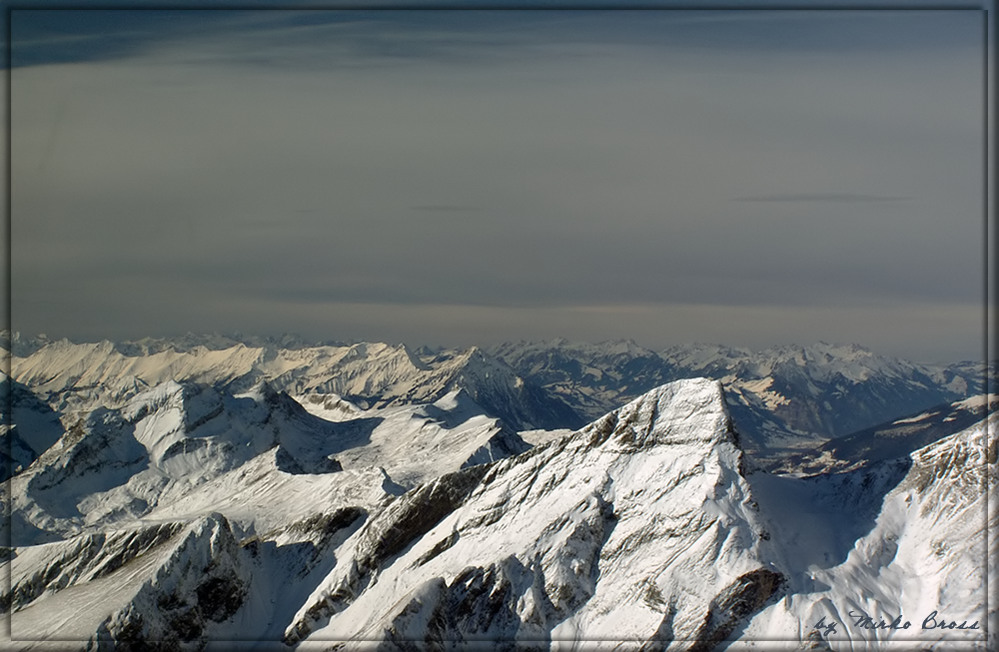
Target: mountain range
{"type": "Point", "coordinates": [166, 496]}
{"type": "Point", "coordinates": [779, 396]}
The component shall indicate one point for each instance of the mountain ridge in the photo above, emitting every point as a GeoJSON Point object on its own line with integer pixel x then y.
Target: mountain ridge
{"type": "Point", "coordinates": [779, 392]}
{"type": "Point", "coordinates": [76, 377]}
{"type": "Point", "coordinates": [780, 396]}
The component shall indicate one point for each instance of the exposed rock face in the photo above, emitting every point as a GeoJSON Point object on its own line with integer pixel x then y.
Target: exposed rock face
{"type": "Point", "coordinates": [204, 581]}
{"type": "Point", "coordinates": [736, 604]}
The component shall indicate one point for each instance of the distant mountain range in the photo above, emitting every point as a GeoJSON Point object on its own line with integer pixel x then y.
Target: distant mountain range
{"type": "Point", "coordinates": [779, 397]}
{"type": "Point", "coordinates": [897, 438]}
{"type": "Point", "coordinates": [76, 377]}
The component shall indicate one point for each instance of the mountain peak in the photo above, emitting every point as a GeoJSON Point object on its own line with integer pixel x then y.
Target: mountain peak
{"type": "Point", "coordinates": [557, 543]}
{"type": "Point", "coordinates": [628, 346]}
{"type": "Point", "coordinates": [473, 352]}
{"type": "Point", "coordinates": [681, 412]}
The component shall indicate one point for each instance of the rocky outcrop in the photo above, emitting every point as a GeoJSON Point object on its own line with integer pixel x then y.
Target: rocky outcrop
{"type": "Point", "coordinates": [80, 559]}
{"type": "Point", "coordinates": [406, 519]}
{"type": "Point", "coordinates": [204, 582]}
{"type": "Point", "coordinates": [735, 605]}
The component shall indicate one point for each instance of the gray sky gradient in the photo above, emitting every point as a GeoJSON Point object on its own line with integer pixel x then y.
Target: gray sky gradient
{"type": "Point", "coordinates": [468, 177]}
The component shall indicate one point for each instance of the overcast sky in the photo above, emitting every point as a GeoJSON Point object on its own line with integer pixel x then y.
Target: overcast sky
{"type": "Point", "coordinates": [748, 178]}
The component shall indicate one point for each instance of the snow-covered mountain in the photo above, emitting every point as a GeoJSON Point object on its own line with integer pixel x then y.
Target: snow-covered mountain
{"type": "Point", "coordinates": [904, 539]}
{"type": "Point", "coordinates": [636, 527]}
{"type": "Point", "coordinates": [778, 396]}
{"type": "Point", "coordinates": [177, 446]}
{"type": "Point", "coordinates": [825, 388]}
{"type": "Point", "coordinates": [593, 378]}
{"type": "Point", "coordinates": [193, 514]}
{"type": "Point", "coordinates": [30, 428]}
{"type": "Point", "coordinates": [75, 378]}
{"type": "Point", "coordinates": [894, 439]}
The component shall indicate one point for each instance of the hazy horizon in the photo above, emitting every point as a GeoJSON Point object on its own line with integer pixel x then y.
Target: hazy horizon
{"type": "Point", "coordinates": [749, 178]}
{"type": "Point", "coordinates": [297, 340]}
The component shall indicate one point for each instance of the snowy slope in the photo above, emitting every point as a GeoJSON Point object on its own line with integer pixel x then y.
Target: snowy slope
{"type": "Point", "coordinates": [904, 536]}
{"type": "Point", "coordinates": [414, 444]}
{"type": "Point", "coordinates": [180, 448]}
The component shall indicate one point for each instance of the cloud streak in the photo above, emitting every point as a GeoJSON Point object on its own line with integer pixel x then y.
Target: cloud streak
{"type": "Point", "coordinates": [833, 197]}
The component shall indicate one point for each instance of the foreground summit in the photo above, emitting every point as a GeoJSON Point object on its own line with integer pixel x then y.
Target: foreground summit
{"type": "Point", "coordinates": [637, 527]}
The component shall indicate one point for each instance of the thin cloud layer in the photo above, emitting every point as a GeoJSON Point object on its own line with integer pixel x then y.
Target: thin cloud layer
{"type": "Point", "coordinates": [837, 197]}
{"type": "Point", "coordinates": [302, 165]}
